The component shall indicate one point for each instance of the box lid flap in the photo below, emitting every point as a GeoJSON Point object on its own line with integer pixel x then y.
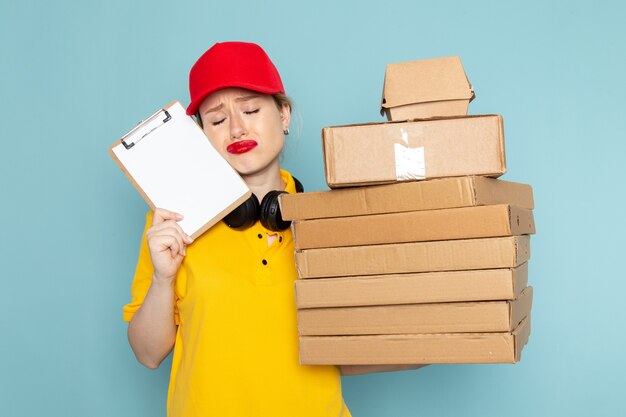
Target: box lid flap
{"type": "Point", "coordinates": [425, 81]}
{"type": "Point", "coordinates": [521, 335]}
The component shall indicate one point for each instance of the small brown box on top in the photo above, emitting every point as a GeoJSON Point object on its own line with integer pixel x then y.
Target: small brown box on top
{"type": "Point", "coordinates": [424, 89]}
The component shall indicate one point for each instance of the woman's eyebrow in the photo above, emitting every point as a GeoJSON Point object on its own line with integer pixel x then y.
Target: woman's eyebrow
{"type": "Point", "coordinates": [238, 99]}
{"type": "Point", "coordinates": [216, 108]}
{"type": "Point", "coordinates": [247, 98]}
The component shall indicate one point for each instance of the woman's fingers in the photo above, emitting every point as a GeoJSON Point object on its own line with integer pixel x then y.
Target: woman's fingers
{"type": "Point", "coordinates": [170, 227]}
{"type": "Point", "coordinates": [164, 219]}
{"type": "Point", "coordinates": [167, 242]}
{"type": "Point", "coordinates": [168, 235]}
{"type": "Point", "coordinates": [170, 242]}
{"type": "Point", "coordinates": [161, 215]}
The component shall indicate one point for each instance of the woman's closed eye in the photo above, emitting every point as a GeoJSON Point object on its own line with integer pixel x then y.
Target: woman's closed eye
{"type": "Point", "coordinates": [246, 112]}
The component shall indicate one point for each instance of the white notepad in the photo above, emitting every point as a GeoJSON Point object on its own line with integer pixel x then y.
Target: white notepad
{"type": "Point", "coordinates": [174, 166]}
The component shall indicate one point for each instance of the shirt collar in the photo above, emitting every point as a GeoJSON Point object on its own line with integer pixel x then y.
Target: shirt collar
{"type": "Point", "coordinates": [288, 179]}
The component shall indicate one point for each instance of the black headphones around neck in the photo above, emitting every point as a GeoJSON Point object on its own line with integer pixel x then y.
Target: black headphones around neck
{"type": "Point", "coordinates": [268, 212]}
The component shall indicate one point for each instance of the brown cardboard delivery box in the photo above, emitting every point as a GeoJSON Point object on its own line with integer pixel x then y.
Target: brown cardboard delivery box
{"type": "Point", "coordinates": [405, 196]}
{"type": "Point", "coordinates": [414, 226]}
{"type": "Point", "coordinates": [466, 317]}
{"type": "Point", "coordinates": [389, 152]}
{"type": "Point", "coordinates": [415, 348]}
{"type": "Point", "coordinates": [427, 88]}
{"type": "Point", "coordinates": [412, 288]}
{"type": "Point", "coordinates": [445, 255]}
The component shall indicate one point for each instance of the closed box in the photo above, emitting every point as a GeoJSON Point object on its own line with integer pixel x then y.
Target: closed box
{"type": "Point", "coordinates": [412, 288]}
{"type": "Point", "coordinates": [447, 255]}
{"type": "Point", "coordinates": [398, 349]}
{"type": "Point", "coordinates": [427, 88]}
{"type": "Point", "coordinates": [466, 317]}
{"type": "Point", "coordinates": [414, 226]}
{"type": "Point", "coordinates": [406, 196]}
{"type": "Point", "coordinates": [389, 152]}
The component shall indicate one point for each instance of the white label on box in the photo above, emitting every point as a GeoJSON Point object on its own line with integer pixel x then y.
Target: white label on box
{"type": "Point", "coordinates": [410, 164]}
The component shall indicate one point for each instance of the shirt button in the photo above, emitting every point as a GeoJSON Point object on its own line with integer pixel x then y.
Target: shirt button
{"type": "Point", "coordinates": [264, 262]}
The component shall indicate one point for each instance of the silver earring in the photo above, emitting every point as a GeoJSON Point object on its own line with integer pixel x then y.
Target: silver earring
{"type": "Point", "coordinates": [286, 131]}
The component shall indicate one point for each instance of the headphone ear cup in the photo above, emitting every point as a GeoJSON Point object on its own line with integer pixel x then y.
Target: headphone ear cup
{"type": "Point", "coordinates": [245, 215]}
{"type": "Point", "coordinates": [269, 212]}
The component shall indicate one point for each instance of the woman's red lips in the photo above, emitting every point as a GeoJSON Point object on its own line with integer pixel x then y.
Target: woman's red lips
{"type": "Point", "coordinates": [241, 146]}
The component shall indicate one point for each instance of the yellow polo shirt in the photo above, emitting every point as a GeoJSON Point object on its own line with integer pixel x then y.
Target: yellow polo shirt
{"type": "Point", "coordinates": [236, 350]}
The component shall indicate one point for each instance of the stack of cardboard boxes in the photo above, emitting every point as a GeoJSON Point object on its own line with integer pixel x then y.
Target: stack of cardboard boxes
{"type": "Point", "coordinates": [414, 272]}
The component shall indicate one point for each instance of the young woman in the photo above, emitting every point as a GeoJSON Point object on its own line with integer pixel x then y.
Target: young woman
{"type": "Point", "coordinates": [225, 302]}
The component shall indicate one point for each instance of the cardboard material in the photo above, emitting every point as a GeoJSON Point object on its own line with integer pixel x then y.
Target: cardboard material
{"type": "Point", "coordinates": [407, 196]}
{"type": "Point", "coordinates": [414, 226]}
{"type": "Point", "coordinates": [426, 287]}
{"type": "Point", "coordinates": [487, 253]}
{"type": "Point", "coordinates": [390, 152]}
{"type": "Point", "coordinates": [415, 348]}
{"type": "Point", "coordinates": [426, 88]}
{"type": "Point", "coordinates": [468, 317]}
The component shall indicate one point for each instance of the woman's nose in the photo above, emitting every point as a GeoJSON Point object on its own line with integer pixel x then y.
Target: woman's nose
{"type": "Point", "coordinates": [237, 128]}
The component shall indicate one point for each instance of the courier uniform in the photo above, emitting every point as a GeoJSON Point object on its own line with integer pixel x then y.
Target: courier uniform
{"type": "Point", "coordinates": [236, 350]}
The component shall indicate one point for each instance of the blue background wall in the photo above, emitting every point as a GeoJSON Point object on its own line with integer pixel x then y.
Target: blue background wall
{"type": "Point", "coordinates": [75, 75]}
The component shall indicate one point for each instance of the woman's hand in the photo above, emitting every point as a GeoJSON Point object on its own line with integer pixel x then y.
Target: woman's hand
{"type": "Point", "coordinates": [167, 242]}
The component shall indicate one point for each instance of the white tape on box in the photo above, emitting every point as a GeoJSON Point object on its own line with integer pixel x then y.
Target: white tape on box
{"type": "Point", "coordinates": [410, 164]}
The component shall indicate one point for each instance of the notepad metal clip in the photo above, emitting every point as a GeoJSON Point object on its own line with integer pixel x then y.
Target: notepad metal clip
{"type": "Point", "coordinates": [145, 127]}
